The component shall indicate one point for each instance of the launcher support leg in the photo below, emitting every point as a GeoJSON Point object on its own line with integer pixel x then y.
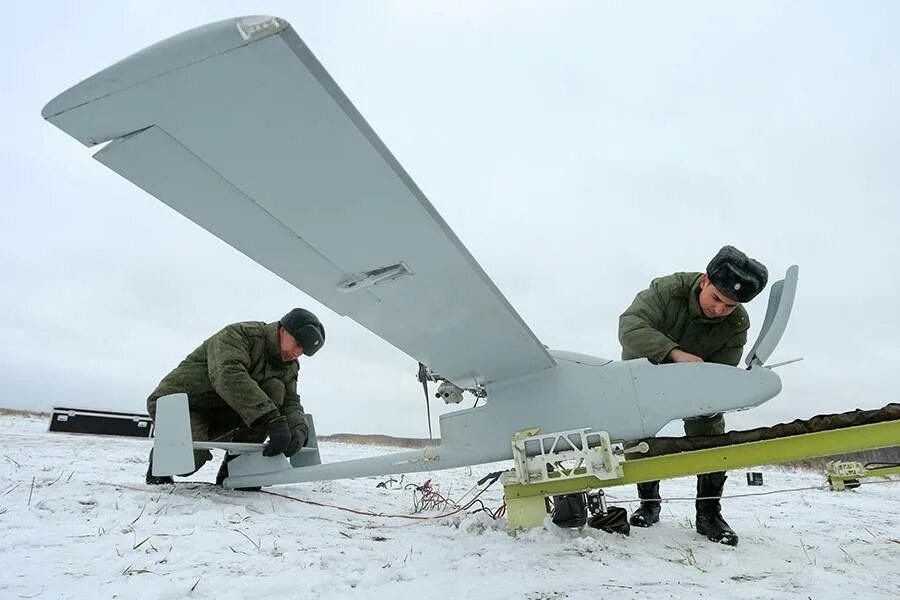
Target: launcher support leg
{"type": "Point", "coordinates": [526, 513]}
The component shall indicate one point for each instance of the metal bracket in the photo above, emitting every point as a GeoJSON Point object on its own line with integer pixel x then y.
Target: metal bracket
{"type": "Point", "coordinates": [564, 455]}
{"type": "Point", "coordinates": [846, 475]}
{"type": "Point", "coordinates": [374, 277]}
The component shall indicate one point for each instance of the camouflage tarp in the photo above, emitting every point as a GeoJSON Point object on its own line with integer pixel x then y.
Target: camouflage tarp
{"type": "Point", "coordinates": [670, 445]}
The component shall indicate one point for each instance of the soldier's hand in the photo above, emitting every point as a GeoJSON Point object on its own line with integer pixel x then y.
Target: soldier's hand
{"type": "Point", "coordinates": [299, 437]}
{"type": "Point", "coordinates": [279, 436]}
{"type": "Point", "coordinates": [680, 356]}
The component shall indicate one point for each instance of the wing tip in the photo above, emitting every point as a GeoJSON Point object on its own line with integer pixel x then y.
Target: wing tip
{"type": "Point", "coordinates": [174, 52]}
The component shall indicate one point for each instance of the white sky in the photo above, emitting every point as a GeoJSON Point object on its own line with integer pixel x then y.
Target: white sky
{"type": "Point", "coordinates": [578, 149]}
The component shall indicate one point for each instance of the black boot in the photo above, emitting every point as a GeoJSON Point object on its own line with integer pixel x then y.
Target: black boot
{"type": "Point", "coordinates": [709, 512]}
{"type": "Point", "coordinates": [648, 513]}
{"type": "Point", "coordinates": [569, 510]}
{"type": "Point", "coordinates": [223, 474]}
{"type": "Point", "coordinates": [152, 479]}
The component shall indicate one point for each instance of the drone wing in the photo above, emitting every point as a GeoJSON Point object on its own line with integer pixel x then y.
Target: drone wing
{"type": "Point", "coordinates": [238, 127]}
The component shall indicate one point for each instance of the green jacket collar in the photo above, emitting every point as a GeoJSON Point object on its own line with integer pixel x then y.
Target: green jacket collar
{"type": "Point", "coordinates": [273, 343]}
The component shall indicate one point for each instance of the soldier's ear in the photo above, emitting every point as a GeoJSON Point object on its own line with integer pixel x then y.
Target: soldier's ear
{"type": "Point", "coordinates": [704, 281]}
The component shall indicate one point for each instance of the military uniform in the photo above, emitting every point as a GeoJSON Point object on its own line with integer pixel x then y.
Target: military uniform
{"type": "Point", "coordinates": [235, 380]}
{"type": "Point", "coordinates": [666, 316]}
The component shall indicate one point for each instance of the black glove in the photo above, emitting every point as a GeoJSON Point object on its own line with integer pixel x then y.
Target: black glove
{"type": "Point", "coordinates": [299, 437]}
{"type": "Point", "coordinates": [279, 436]}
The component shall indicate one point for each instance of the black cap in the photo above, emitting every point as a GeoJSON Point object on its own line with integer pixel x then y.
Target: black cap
{"type": "Point", "coordinates": [306, 329]}
{"type": "Point", "coordinates": [737, 275]}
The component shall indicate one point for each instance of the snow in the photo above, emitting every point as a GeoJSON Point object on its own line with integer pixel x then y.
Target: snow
{"type": "Point", "coordinates": [79, 522]}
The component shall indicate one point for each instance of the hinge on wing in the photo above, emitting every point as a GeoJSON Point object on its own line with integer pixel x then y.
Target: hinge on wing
{"type": "Point", "coordinates": [254, 28]}
{"type": "Point", "coordinates": [374, 277]}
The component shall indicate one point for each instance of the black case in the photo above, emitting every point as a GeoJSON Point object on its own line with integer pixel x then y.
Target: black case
{"type": "Point", "coordinates": [80, 420]}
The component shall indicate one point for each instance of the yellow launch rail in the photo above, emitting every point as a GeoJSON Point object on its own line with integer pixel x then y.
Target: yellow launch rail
{"type": "Point", "coordinates": [526, 502]}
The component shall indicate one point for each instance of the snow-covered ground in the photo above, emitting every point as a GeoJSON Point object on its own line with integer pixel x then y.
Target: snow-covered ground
{"type": "Point", "coordinates": [78, 522]}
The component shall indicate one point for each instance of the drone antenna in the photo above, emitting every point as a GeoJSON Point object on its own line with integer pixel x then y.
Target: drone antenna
{"type": "Point", "coordinates": [423, 377]}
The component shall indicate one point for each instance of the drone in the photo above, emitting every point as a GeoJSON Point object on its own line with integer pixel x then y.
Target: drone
{"type": "Point", "coordinates": [237, 126]}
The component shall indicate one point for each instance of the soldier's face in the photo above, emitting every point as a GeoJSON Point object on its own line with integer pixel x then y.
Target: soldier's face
{"type": "Point", "coordinates": [290, 349]}
{"type": "Point", "coordinates": [714, 303]}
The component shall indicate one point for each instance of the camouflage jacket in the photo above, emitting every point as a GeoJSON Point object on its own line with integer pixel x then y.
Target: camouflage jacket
{"type": "Point", "coordinates": [667, 315]}
{"type": "Point", "coordinates": [228, 368]}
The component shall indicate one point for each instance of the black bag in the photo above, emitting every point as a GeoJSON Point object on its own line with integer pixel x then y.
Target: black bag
{"type": "Point", "coordinates": [569, 510]}
{"type": "Point", "coordinates": [614, 521]}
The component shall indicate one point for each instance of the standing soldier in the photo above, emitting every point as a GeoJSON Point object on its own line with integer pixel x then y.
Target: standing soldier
{"type": "Point", "coordinates": [694, 317]}
{"type": "Point", "coordinates": [241, 385]}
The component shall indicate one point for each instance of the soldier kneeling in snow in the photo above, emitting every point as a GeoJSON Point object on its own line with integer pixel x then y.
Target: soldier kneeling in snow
{"type": "Point", "coordinates": [241, 385]}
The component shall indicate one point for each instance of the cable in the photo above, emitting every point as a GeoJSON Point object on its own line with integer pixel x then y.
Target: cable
{"type": "Point", "coordinates": [502, 509]}
{"type": "Point", "coordinates": [747, 495]}
{"type": "Point", "coordinates": [393, 516]}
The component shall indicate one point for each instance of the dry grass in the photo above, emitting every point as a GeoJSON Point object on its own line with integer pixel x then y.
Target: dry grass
{"type": "Point", "coordinates": [23, 413]}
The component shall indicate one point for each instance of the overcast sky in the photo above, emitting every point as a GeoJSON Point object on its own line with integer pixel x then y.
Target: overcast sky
{"type": "Point", "coordinates": [578, 149]}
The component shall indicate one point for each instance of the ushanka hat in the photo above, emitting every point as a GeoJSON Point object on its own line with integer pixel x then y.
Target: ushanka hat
{"type": "Point", "coordinates": [306, 329]}
{"type": "Point", "coordinates": [737, 275]}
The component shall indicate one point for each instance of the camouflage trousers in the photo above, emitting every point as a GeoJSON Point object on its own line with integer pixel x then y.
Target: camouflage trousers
{"type": "Point", "coordinates": [694, 426]}
{"type": "Point", "coordinates": [213, 420]}
{"type": "Point", "coordinates": [708, 425]}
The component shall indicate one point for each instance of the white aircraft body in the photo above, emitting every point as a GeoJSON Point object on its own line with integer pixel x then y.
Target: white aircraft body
{"type": "Point", "coordinates": [239, 128]}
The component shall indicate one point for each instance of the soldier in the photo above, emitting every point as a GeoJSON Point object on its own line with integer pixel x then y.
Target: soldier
{"type": "Point", "coordinates": [241, 385]}
{"type": "Point", "coordinates": [694, 317]}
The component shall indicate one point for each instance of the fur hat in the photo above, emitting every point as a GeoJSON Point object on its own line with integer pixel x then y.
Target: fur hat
{"type": "Point", "coordinates": [737, 275]}
{"type": "Point", "coordinates": [306, 329]}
